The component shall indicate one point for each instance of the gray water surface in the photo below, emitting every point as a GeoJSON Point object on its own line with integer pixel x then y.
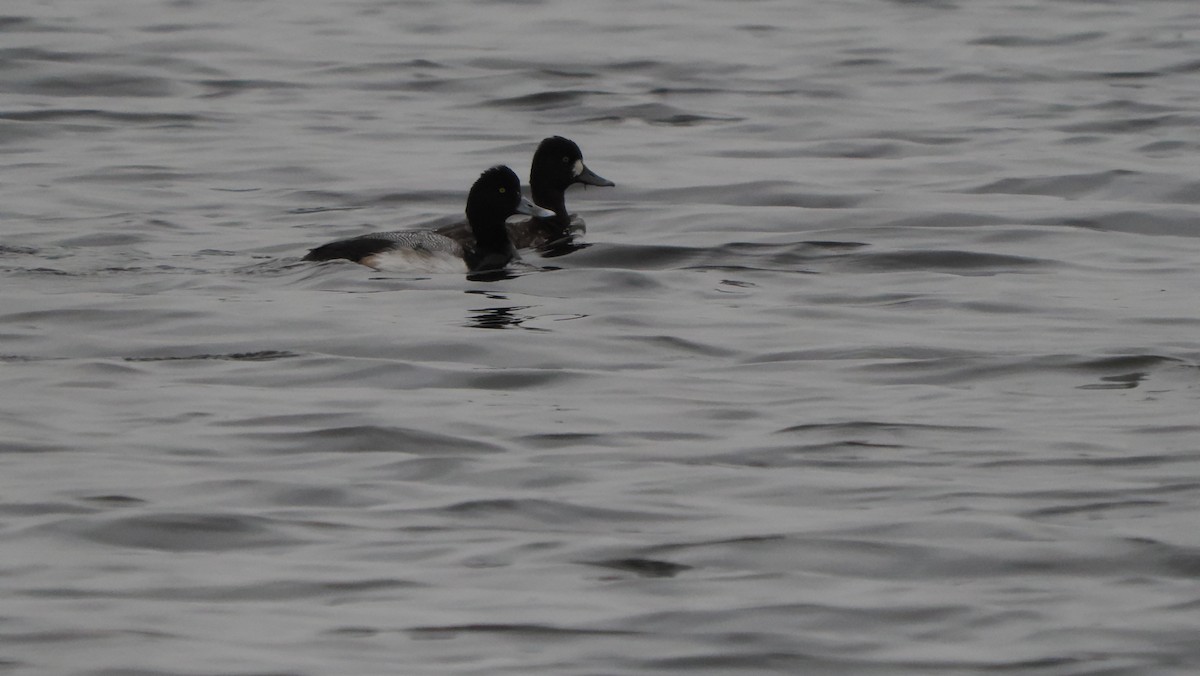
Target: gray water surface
{"type": "Point", "coordinates": [883, 356]}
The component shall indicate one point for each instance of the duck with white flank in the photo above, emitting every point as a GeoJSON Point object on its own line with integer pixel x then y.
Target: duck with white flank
{"type": "Point", "coordinates": [495, 196]}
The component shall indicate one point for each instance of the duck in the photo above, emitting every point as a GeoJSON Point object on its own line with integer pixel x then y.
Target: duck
{"type": "Point", "coordinates": [557, 165]}
{"type": "Point", "coordinates": [495, 196]}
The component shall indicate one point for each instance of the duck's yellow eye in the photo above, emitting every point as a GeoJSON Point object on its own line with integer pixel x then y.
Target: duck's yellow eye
{"type": "Point", "coordinates": [502, 190]}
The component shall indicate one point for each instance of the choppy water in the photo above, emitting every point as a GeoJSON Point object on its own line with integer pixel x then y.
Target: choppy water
{"type": "Point", "coordinates": [884, 357]}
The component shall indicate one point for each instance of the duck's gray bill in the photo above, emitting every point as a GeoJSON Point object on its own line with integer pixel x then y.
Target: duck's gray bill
{"type": "Point", "coordinates": [527, 207]}
{"type": "Point", "coordinates": [590, 178]}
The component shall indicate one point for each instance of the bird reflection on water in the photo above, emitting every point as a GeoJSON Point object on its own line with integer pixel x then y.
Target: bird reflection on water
{"type": "Point", "coordinates": [497, 317]}
{"type": "Point", "coordinates": [509, 316]}
{"type": "Point", "coordinates": [500, 318]}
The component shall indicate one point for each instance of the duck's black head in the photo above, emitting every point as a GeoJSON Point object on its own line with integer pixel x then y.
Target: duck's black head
{"type": "Point", "coordinates": [494, 197]}
{"type": "Point", "coordinates": [557, 164]}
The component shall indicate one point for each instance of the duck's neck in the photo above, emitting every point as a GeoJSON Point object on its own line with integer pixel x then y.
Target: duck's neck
{"type": "Point", "coordinates": [492, 247]}
{"type": "Point", "coordinates": [554, 199]}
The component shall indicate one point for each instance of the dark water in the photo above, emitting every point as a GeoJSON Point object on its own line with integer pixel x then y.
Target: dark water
{"type": "Point", "coordinates": [884, 357]}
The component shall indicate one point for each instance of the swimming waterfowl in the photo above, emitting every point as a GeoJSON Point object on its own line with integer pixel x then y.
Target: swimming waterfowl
{"type": "Point", "coordinates": [557, 165]}
{"type": "Point", "coordinates": [495, 196]}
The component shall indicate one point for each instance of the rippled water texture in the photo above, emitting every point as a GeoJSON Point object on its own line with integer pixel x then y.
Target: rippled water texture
{"type": "Point", "coordinates": [881, 358]}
